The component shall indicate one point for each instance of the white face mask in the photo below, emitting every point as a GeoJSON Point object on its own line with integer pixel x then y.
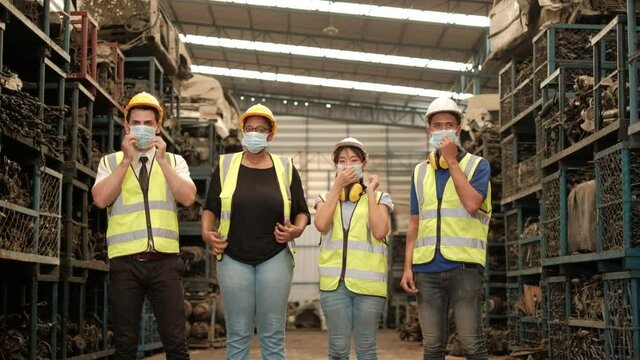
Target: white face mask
{"type": "Point", "coordinates": [437, 136]}
{"type": "Point", "coordinates": [356, 168]}
{"type": "Point", "coordinates": [143, 135]}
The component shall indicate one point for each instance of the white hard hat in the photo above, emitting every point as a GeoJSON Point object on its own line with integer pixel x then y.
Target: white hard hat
{"type": "Point", "coordinates": [351, 141]}
{"type": "Point", "coordinates": [443, 105]}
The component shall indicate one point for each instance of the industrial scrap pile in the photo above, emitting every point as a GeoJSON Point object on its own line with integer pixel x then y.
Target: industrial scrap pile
{"type": "Point", "coordinates": [15, 186]}
{"type": "Point", "coordinates": [14, 339]}
{"type": "Point", "coordinates": [410, 330]}
{"type": "Point", "coordinates": [83, 152]}
{"type": "Point", "coordinates": [16, 229]}
{"type": "Point", "coordinates": [199, 309]}
{"type": "Point", "coordinates": [86, 338]}
{"type": "Point", "coordinates": [305, 315]}
{"type": "Point", "coordinates": [20, 116]}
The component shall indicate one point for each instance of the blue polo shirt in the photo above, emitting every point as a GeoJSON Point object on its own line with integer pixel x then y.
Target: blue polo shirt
{"type": "Point", "coordinates": [479, 181]}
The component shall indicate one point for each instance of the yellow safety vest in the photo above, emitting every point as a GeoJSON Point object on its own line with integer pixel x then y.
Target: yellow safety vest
{"type": "Point", "coordinates": [462, 236]}
{"type": "Point", "coordinates": [127, 228]}
{"type": "Point", "coordinates": [363, 263]}
{"type": "Point", "coordinates": [229, 165]}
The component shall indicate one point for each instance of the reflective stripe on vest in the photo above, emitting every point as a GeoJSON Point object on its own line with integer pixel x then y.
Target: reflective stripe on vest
{"type": "Point", "coordinates": [463, 236]}
{"type": "Point", "coordinates": [365, 271]}
{"type": "Point", "coordinates": [230, 167]}
{"type": "Point", "coordinates": [127, 228]}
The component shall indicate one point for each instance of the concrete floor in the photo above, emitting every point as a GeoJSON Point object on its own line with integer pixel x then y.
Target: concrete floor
{"type": "Point", "coordinates": [312, 345]}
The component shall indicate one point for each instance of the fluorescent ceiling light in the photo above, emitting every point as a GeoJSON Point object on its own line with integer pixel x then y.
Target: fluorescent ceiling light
{"type": "Point", "coordinates": [335, 83]}
{"type": "Point", "coordinates": [325, 53]}
{"type": "Point", "coordinates": [387, 12]}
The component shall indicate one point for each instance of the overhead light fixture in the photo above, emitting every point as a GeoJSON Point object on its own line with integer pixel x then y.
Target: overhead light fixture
{"type": "Point", "coordinates": [326, 53]}
{"type": "Point", "coordinates": [253, 99]}
{"type": "Point", "coordinates": [306, 103]}
{"type": "Point", "coordinates": [328, 106]}
{"type": "Point", "coordinates": [295, 103]}
{"type": "Point", "coordinates": [242, 97]}
{"type": "Point", "coordinates": [335, 83]}
{"type": "Point", "coordinates": [284, 101]}
{"type": "Point", "coordinates": [384, 12]}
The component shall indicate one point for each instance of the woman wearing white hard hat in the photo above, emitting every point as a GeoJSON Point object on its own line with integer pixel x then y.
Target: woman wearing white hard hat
{"type": "Point", "coordinates": [353, 218]}
{"type": "Point", "coordinates": [256, 237]}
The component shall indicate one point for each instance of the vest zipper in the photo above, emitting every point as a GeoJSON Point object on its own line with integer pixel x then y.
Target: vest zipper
{"type": "Point", "coordinates": [438, 225]}
{"type": "Point", "coordinates": [345, 239]}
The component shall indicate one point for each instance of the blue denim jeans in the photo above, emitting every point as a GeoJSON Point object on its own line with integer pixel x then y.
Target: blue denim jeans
{"type": "Point", "coordinates": [347, 312]}
{"type": "Point", "coordinates": [460, 289]}
{"type": "Point", "coordinates": [256, 296]}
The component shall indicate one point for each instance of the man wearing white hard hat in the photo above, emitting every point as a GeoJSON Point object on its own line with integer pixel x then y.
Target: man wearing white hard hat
{"type": "Point", "coordinates": [447, 236]}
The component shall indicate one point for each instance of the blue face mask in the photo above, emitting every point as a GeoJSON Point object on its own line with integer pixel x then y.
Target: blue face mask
{"type": "Point", "coordinates": [437, 136]}
{"type": "Point", "coordinates": [254, 141]}
{"type": "Point", "coordinates": [356, 168]}
{"type": "Point", "coordinates": [143, 135]}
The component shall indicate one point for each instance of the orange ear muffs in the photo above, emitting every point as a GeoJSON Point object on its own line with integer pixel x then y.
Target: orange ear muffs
{"type": "Point", "coordinates": [437, 162]}
{"type": "Point", "coordinates": [355, 193]}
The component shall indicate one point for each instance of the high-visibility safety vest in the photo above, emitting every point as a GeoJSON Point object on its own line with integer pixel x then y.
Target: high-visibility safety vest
{"type": "Point", "coordinates": [229, 165]}
{"type": "Point", "coordinates": [353, 255]}
{"type": "Point", "coordinates": [127, 228]}
{"type": "Point", "coordinates": [445, 223]}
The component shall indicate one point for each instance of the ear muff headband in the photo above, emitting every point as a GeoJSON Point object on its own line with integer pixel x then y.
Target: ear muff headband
{"type": "Point", "coordinates": [437, 162]}
{"type": "Point", "coordinates": [355, 193]}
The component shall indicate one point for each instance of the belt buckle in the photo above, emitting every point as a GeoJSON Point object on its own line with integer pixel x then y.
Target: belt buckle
{"type": "Point", "coordinates": [145, 256]}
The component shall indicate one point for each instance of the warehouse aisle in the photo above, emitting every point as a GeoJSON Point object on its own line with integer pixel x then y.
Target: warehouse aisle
{"type": "Point", "coordinates": [311, 345]}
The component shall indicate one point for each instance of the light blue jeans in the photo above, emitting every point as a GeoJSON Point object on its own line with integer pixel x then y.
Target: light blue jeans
{"type": "Point", "coordinates": [461, 290]}
{"type": "Point", "coordinates": [347, 312]}
{"type": "Point", "coordinates": [256, 296]}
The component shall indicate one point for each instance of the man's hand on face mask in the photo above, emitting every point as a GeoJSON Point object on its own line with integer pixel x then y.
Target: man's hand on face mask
{"type": "Point", "coordinates": [449, 150]}
{"type": "Point", "coordinates": [345, 177]}
{"type": "Point", "coordinates": [159, 143]}
{"type": "Point", "coordinates": [127, 147]}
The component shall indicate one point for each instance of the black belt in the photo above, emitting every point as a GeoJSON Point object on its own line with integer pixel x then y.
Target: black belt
{"type": "Point", "coordinates": [151, 255]}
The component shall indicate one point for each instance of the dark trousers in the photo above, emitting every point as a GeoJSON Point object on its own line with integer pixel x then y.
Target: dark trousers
{"type": "Point", "coordinates": [161, 281]}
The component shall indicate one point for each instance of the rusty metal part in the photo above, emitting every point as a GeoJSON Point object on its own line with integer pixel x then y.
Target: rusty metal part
{"type": "Point", "coordinates": [305, 315]}
{"type": "Point", "coordinates": [15, 185]}
{"type": "Point", "coordinates": [587, 299]}
{"type": "Point", "coordinates": [201, 311]}
{"type": "Point", "coordinates": [410, 330]}
{"type": "Point", "coordinates": [200, 330]}
{"type": "Point", "coordinates": [20, 115]}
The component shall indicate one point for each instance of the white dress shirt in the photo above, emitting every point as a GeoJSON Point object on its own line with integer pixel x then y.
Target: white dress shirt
{"type": "Point", "coordinates": [182, 169]}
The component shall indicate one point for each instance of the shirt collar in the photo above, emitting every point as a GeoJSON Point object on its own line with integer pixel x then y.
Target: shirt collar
{"type": "Point", "coordinates": [149, 154]}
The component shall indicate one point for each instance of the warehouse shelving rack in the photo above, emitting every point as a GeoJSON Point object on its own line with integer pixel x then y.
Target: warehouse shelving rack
{"type": "Point", "coordinates": [30, 280]}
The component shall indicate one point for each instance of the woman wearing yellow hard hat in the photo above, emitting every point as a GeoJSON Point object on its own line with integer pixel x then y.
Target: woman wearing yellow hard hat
{"type": "Point", "coordinates": [260, 204]}
{"type": "Point", "coordinates": [353, 218]}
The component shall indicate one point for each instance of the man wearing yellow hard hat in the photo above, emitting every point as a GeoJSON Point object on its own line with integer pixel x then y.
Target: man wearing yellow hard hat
{"type": "Point", "coordinates": [254, 241]}
{"type": "Point", "coordinates": [141, 186]}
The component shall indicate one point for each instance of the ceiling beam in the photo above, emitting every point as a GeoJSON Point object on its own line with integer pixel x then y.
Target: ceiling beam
{"type": "Point", "coordinates": [289, 57]}
{"type": "Point", "coordinates": [306, 71]}
{"type": "Point", "coordinates": [352, 44]}
{"type": "Point", "coordinates": [339, 111]}
{"type": "Point", "coordinates": [281, 9]}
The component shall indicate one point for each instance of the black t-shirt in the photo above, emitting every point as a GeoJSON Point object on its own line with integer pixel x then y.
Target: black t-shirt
{"type": "Point", "coordinates": [256, 207]}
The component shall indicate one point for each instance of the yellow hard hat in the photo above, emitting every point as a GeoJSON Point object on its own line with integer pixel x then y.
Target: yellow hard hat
{"type": "Point", "coordinates": [143, 99]}
{"type": "Point", "coordinates": [260, 110]}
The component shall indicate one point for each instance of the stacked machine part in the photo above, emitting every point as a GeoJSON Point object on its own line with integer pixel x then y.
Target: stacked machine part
{"type": "Point", "coordinates": [61, 101]}
{"type": "Point", "coordinates": [569, 115]}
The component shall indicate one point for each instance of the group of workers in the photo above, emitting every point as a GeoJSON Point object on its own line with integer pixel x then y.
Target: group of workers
{"type": "Point", "coordinates": [256, 207]}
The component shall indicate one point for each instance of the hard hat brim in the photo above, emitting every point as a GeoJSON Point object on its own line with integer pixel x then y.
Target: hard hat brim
{"type": "Point", "coordinates": [271, 119]}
